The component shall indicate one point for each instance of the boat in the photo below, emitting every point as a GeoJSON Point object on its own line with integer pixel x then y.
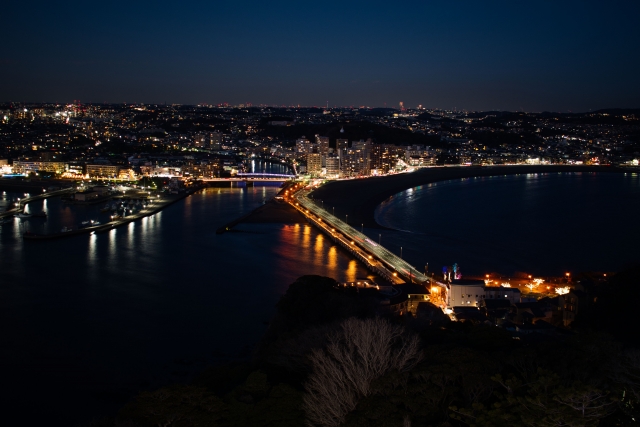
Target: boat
{"type": "Point", "coordinates": [66, 229]}
{"type": "Point", "coordinates": [42, 214]}
{"type": "Point", "coordinates": [23, 215]}
{"type": "Point", "coordinates": [106, 208]}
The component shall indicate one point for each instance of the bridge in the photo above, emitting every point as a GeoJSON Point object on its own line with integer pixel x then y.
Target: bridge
{"type": "Point", "coordinates": [265, 175]}
{"type": "Point", "coordinates": [375, 256]}
{"type": "Point", "coordinates": [241, 177]}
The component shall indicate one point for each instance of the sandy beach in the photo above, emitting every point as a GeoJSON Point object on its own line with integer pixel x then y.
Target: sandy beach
{"type": "Point", "coordinates": [274, 212]}
{"type": "Point", "coordinates": [358, 198]}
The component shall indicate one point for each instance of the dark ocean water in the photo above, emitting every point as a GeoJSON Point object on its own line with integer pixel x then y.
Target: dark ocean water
{"type": "Point", "coordinates": [87, 320]}
{"type": "Point", "coordinates": [544, 224]}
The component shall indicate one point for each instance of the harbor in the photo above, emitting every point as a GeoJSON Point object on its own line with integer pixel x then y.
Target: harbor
{"type": "Point", "coordinates": [120, 209]}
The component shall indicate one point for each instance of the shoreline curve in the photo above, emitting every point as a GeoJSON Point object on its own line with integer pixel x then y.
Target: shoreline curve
{"type": "Point", "coordinates": [359, 198]}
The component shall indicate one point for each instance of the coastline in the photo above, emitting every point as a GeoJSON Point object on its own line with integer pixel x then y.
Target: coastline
{"type": "Point", "coordinates": [270, 212]}
{"type": "Point", "coordinates": [274, 212]}
{"type": "Point", "coordinates": [102, 228]}
{"type": "Point", "coordinates": [359, 198]}
{"type": "Point", "coordinates": [36, 187]}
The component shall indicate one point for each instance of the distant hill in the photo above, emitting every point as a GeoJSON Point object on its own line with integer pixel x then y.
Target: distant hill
{"type": "Point", "coordinates": [353, 131]}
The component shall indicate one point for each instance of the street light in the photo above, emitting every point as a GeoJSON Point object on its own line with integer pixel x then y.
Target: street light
{"type": "Point", "coordinates": [400, 252]}
{"type": "Point", "coordinates": [334, 211]}
{"type": "Point", "coordinates": [347, 219]}
{"type": "Point", "coordinates": [379, 237]}
{"type": "Point", "coordinates": [362, 228]}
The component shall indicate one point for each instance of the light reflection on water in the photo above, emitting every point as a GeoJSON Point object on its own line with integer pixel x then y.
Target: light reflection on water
{"type": "Point", "coordinates": [130, 234]}
{"type": "Point", "coordinates": [112, 248]}
{"type": "Point", "coordinates": [541, 223]}
{"type": "Point", "coordinates": [319, 247]}
{"type": "Point", "coordinates": [92, 257]}
{"type": "Point", "coordinates": [352, 271]}
{"type": "Point", "coordinates": [332, 258]}
{"type": "Point", "coordinates": [116, 308]}
{"type": "Point", "coordinates": [304, 244]}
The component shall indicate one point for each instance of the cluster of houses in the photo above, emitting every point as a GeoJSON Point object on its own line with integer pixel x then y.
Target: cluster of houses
{"type": "Point", "coordinates": [507, 308]}
{"type": "Point", "coordinates": [472, 300]}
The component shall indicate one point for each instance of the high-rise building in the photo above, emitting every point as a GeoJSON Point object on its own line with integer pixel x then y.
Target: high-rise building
{"type": "Point", "coordinates": [323, 144]}
{"type": "Point", "coordinates": [362, 151]}
{"type": "Point", "coordinates": [354, 162]}
{"type": "Point", "coordinates": [303, 147]}
{"type": "Point", "coordinates": [314, 163]}
{"type": "Point", "coordinates": [342, 145]}
{"type": "Point", "coordinates": [377, 152]}
{"type": "Point", "coordinates": [333, 166]}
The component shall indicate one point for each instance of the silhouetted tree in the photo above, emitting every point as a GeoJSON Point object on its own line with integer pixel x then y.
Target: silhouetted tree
{"type": "Point", "coordinates": [360, 352]}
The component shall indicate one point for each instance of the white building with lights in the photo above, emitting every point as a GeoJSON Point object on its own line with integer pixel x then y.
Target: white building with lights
{"type": "Point", "coordinates": [465, 293]}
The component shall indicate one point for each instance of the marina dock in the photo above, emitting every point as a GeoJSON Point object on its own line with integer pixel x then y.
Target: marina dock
{"type": "Point", "coordinates": [156, 206]}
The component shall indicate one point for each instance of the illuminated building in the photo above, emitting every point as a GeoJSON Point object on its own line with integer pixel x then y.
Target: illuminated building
{"type": "Point", "coordinates": [465, 293]}
{"type": "Point", "coordinates": [333, 166]}
{"type": "Point", "coordinates": [323, 144]}
{"type": "Point", "coordinates": [103, 171]}
{"type": "Point", "coordinates": [28, 167]}
{"type": "Point", "coordinates": [314, 163]}
{"type": "Point", "coordinates": [303, 147]}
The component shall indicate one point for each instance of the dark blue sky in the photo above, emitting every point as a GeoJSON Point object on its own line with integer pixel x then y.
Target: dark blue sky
{"type": "Point", "coordinates": [556, 55]}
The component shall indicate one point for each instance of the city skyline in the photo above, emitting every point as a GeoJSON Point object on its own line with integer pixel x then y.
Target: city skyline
{"type": "Point", "coordinates": [576, 56]}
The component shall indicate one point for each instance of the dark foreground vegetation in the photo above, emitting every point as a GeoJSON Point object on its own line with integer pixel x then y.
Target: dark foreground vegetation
{"type": "Point", "coordinates": [327, 359]}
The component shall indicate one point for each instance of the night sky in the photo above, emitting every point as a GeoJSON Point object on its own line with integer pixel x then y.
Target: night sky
{"type": "Point", "coordinates": [531, 56]}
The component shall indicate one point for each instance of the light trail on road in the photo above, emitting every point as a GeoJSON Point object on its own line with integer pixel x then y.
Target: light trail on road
{"type": "Point", "coordinates": [357, 238]}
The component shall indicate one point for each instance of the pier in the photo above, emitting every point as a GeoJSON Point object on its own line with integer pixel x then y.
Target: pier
{"type": "Point", "coordinates": [23, 202]}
